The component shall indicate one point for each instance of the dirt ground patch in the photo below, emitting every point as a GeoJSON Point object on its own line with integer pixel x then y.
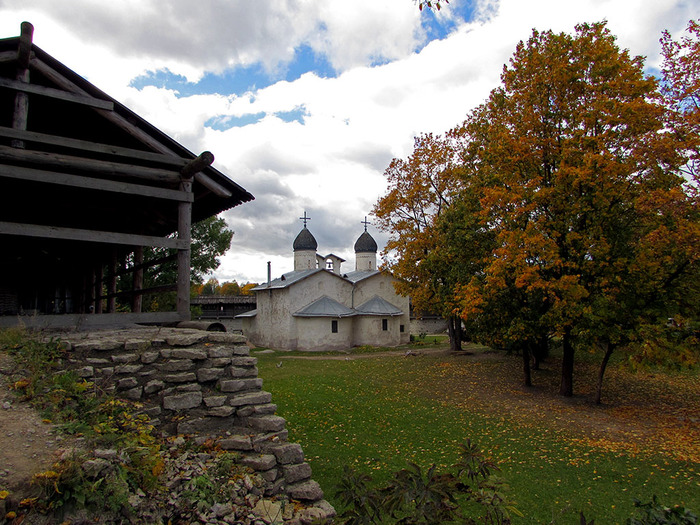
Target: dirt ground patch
{"type": "Point", "coordinates": [27, 444]}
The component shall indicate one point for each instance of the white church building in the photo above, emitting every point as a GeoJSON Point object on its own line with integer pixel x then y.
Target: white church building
{"type": "Point", "coordinates": [318, 307]}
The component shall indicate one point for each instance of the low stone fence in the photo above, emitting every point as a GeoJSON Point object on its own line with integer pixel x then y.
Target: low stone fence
{"type": "Point", "coordinates": [203, 385]}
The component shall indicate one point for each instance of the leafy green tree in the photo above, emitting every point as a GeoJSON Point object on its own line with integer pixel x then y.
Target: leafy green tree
{"type": "Point", "coordinates": [211, 238]}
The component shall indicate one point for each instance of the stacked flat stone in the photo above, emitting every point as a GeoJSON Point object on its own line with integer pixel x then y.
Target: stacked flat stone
{"type": "Point", "coordinates": [201, 384]}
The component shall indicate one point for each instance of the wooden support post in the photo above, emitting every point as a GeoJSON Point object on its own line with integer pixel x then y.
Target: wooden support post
{"type": "Point", "coordinates": [112, 284]}
{"type": "Point", "coordinates": [91, 291]}
{"type": "Point", "coordinates": [137, 299]}
{"type": "Point", "coordinates": [21, 114]}
{"type": "Point", "coordinates": [99, 280]}
{"type": "Point", "coordinates": [184, 232]}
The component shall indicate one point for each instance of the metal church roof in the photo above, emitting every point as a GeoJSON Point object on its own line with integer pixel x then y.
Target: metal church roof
{"type": "Point", "coordinates": [305, 241]}
{"type": "Point", "coordinates": [378, 306]}
{"type": "Point", "coordinates": [365, 244]}
{"type": "Point", "coordinates": [325, 307]}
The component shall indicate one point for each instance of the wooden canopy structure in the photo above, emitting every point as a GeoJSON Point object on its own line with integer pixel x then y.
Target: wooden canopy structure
{"type": "Point", "coordinates": [85, 185]}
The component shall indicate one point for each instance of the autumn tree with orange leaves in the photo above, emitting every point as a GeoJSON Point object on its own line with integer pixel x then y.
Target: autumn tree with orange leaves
{"type": "Point", "coordinates": [420, 189]}
{"type": "Point", "coordinates": [559, 208]}
{"type": "Point", "coordinates": [584, 196]}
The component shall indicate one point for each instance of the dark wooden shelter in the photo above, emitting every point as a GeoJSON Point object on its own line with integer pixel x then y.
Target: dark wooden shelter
{"type": "Point", "coordinates": [85, 185]}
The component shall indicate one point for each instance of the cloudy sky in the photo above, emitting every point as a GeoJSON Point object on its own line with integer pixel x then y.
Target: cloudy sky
{"type": "Point", "coordinates": [305, 102]}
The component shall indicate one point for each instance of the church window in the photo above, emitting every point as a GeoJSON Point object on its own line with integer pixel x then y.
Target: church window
{"type": "Point", "coordinates": [385, 325]}
{"type": "Point", "coordinates": [334, 326]}
{"type": "Point", "coordinates": [401, 329]}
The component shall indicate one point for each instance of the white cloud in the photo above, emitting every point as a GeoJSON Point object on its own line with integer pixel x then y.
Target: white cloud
{"type": "Point", "coordinates": [332, 164]}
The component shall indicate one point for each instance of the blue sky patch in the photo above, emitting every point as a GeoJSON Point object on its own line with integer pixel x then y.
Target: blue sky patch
{"type": "Point", "coordinates": [295, 115]}
{"type": "Point", "coordinates": [224, 122]}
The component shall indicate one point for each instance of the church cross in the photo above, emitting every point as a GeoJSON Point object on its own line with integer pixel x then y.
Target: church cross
{"type": "Point", "coordinates": [365, 222]}
{"type": "Point", "coordinates": [304, 218]}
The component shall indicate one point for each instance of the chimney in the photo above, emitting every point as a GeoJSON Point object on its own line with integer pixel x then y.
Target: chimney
{"type": "Point", "coordinates": [269, 272]}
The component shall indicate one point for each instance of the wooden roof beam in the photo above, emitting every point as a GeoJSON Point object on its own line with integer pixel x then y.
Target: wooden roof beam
{"type": "Point", "coordinates": [25, 45]}
{"type": "Point", "coordinates": [124, 124]}
{"type": "Point", "coordinates": [80, 163]}
{"type": "Point", "coordinates": [75, 234]}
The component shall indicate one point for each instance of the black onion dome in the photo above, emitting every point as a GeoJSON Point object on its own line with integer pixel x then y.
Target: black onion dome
{"type": "Point", "coordinates": [305, 241]}
{"type": "Point", "coordinates": [365, 244]}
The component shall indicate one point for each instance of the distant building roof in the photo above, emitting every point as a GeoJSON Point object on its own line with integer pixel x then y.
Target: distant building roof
{"type": "Point", "coordinates": [359, 275]}
{"type": "Point", "coordinates": [325, 307]}
{"type": "Point", "coordinates": [378, 306]}
{"type": "Point", "coordinates": [365, 244]}
{"type": "Point", "coordinates": [305, 241]}
{"type": "Point", "coordinates": [287, 279]}
{"type": "Point", "coordinates": [251, 313]}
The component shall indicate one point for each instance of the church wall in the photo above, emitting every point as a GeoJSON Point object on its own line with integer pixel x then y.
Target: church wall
{"type": "Point", "coordinates": [316, 286]}
{"type": "Point", "coordinates": [315, 333]}
{"type": "Point", "coordinates": [383, 285]}
{"type": "Point", "coordinates": [369, 330]}
{"type": "Point", "coordinates": [273, 327]}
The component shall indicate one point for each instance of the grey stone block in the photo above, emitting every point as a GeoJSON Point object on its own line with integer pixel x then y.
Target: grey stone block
{"type": "Point", "coordinates": [85, 371]}
{"type": "Point", "coordinates": [189, 353]}
{"type": "Point", "coordinates": [224, 411]}
{"type": "Point", "coordinates": [253, 398]}
{"type": "Point", "coordinates": [296, 473]}
{"type": "Point", "coordinates": [288, 453]}
{"type": "Point", "coordinates": [177, 365]}
{"type": "Point", "coordinates": [236, 443]}
{"type": "Point", "coordinates": [209, 374]}
{"type": "Point", "coordinates": [305, 491]}
{"type": "Point", "coordinates": [186, 339]}
{"type": "Point", "coordinates": [128, 382]}
{"type": "Point", "coordinates": [267, 423]}
{"type": "Point", "coordinates": [225, 337]}
{"type": "Point", "coordinates": [136, 344]}
{"type": "Point", "coordinates": [125, 358]}
{"type": "Point", "coordinates": [244, 371]}
{"type": "Point", "coordinates": [186, 377]}
{"type": "Point", "coordinates": [182, 401]}
{"type": "Point", "coordinates": [241, 350]}
{"type": "Point", "coordinates": [220, 352]}
{"type": "Point", "coordinates": [260, 462]}
{"type": "Point", "coordinates": [215, 401]}
{"type": "Point", "coordinates": [257, 410]}
{"type": "Point", "coordinates": [244, 361]}
{"type": "Point", "coordinates": [154, 386]}
{"type": "Point", "coordinates": [134, 394]}
{"type": "Point", "coordinates": [218, 362]}
{"type": "Point", "coordinates": [127, 369]}
{"type": "Point", "coordinates": [149, 357]}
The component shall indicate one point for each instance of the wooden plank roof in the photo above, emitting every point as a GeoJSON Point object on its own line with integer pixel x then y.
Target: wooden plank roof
{"type": "Point", "coordinates": [101, 162]}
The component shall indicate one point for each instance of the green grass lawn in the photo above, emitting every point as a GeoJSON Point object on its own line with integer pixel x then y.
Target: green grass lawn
{"type": "Point", "coordinates": [376, 413]}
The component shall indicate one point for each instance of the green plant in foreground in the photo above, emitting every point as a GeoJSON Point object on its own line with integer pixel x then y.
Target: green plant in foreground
{"type": "Point", "coordinates": [414, 497]}
{"type": "Point", "coordinates": [654, 513]}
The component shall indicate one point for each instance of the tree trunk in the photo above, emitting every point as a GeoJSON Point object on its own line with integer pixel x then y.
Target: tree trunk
{"type": "Point", "coordinates": [454, 328]}
{"type": "Point", "coordinates": [540, 351]}
{"type": "Point", "coordinates": [601, 372]}
{"type": "Point", "coordinates": [526, 365]}
{"type": "Point", "coordinates": [459, 336]}
{"type": "Point", "coordinates": [566, 387]}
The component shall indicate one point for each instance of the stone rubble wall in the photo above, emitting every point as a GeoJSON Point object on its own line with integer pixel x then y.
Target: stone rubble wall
{"type": "Point", "coordinates": [203, 385]}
